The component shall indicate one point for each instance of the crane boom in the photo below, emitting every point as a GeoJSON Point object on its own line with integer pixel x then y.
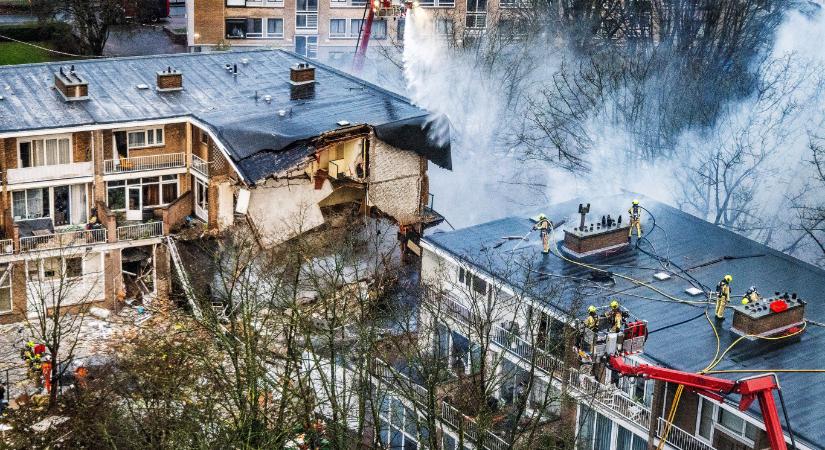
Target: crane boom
{"type": "Point", "coordinates": [758, 388]}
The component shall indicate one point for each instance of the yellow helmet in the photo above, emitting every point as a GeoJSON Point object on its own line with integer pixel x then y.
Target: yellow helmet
{"type": "Point", "coordinates": [745, 300]}
{"type": "Point", "coordinates": [542, 217]}
{"type": "Point", "coordinates": [591, 308]}
{"type": "Point", "coordinates": [728, 278]}
{"type": "Point", "coordinates": [614, 304]}
{"type": "Point", "coordinates": [635, 202]}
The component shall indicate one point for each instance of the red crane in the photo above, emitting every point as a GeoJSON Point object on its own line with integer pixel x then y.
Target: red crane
{"type": "Point", "coordinates": [373, 7]}
{"type": "Point", "coordinates": [754, 388]}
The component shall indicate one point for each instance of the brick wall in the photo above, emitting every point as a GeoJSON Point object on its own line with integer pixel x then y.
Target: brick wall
{"type": "Point", "coordinates": [10, 153]}
{"type": "Point", "coordinates": [209, 25]}
{"type": "Point", "coordinates": [82, 146]}
{"type": "Point", "coordinates": [112, 278]}
{"type": "Point", "coordinates": [174, 214]}
{"type": "Point", "coordinates": [590, 243]}
{"type": "Point", "coordinates": [395, 181]}
{"type": "Point", "coordinates": [163, 273]}
{"type": "Point", "coordinates": [174, 141]}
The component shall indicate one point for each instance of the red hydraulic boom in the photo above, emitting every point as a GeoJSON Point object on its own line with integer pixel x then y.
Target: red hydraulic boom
{"type": "Point", "coordinates": [754, 388]}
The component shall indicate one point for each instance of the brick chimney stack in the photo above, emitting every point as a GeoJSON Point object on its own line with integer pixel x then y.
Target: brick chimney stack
{"type": "Point", "coordinates": [302, 81]}
{"type": "Point", "coordinates": [71, 86]}
{"type": "Point", "coordinates": [170, 80]}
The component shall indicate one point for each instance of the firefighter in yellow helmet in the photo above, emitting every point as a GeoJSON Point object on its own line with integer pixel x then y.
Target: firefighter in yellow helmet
{"type": "Point", "coordinates": [751, 295]}
{"type": "Point", "coordinates": [722, 296]}
{"type": "Point", "coordinates": [592, 320]}
{"type": "Point", "coordinates": [615, 315]}
{"type": "Point", "coordinates": [635, 212]}
{"type": "Point", "coordinates": [543, 225]}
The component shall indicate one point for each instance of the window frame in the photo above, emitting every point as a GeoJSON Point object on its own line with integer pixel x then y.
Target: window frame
{"type": "Point", "coordinates": [154, 132]}
{"type": "Point", "coordinates": [5, 283]}
{"type": "Point", "coordinates": [274, 35]}
{"type": "Point", "coordinates": [41, 269]}
{"type": "Point", "coordinates": [337, 35]}
{"type": "Point", "coordinates": [55, 137]}
{"type": "Point", "coordinates": [140, 183]}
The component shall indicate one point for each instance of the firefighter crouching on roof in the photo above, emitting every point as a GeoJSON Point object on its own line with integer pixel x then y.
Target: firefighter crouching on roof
{"type": "Point", "coordinates": [751, 295]}
{"type": "Point", "coordinates": [616, 317]}
{"type": "Point", "coordinates": [723, 296]}
{"type": "Point", "coordinates": [544, 225]}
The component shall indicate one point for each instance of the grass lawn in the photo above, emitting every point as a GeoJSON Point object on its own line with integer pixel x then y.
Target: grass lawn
{"type": "Point", "coordinates": [16, 53]}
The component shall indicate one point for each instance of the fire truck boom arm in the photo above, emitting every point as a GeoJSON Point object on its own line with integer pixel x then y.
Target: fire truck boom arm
{"type": "Point", "coordinates": [756, 388]}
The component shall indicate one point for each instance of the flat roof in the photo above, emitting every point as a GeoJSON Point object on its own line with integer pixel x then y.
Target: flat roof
{"type": "Point", "coordinates": [254, 131]}
{"type": "Point", "coordinates": [680, 336]}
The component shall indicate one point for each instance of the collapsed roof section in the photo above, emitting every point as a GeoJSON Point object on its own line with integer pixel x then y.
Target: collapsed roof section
{"type": "Point", "coordinates": [246, 98]}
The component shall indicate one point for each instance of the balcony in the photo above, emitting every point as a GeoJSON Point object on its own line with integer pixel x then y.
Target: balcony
{"type": "Point", "coordinates": [63, 239]}
{"type": "Point", "coordinates": [200, 166]}
{"type": "Point", "coordinates": [144, 163]}
{"type": "Point", "coordinates": [680, 438]}
{"type": "Point", "coordinates": [139, 231]}
{"type": "Point", "coordinates": [47, 173]}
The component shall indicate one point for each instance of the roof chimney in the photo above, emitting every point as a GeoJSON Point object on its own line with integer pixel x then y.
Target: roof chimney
{"type": "Point", "coordinates": [302, 81]}
{"type": "Point", "coordinates": [71, 85]}
{"type": "Point", "coordinates": [170, 80]}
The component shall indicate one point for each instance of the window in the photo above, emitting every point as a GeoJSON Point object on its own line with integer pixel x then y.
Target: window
{"type": "Point", "coordinates": [444, 26]}
{"type": "Point", "coordinates": [235, 2]}
{"type": "Point", "coordinates": [154, 191]}
{"type": "Point", "coordinates": [731, 421]}
{"type": "Point", "coordinates": [204, 136]}
{"type": "Point", "coordinates": [306, 15]}
{"type": "Point", "coordinates": [355, 27]}
{"type": "Point", "coordinates": [235, 28]}
{"type": "Point", "coordinates": [275, 28]}
{"type": "Point", "coordinates": [45, 152]}
{"type": "Point", "coordinates": [30, 203]}
{"type": "Point", "coordinates": [254, 28]}
{"type": "Point", "coordinates": [337, 27]}
{"type": "Point", "coordinates": [379, 29]}
{"type": "Point", "coordinates": [144, 138]}
{"type": "Point", "coordinates": [307, 5]}
{"type": "Point", "coordinates": [706, 419]}
{"type": "Point", "coordinates": [629, 441]}
{"type": "Point", "coordinates": [5, 288]}
{"type": "Point", "coordinates": [400, 30]}
{"type": "Point", "coordinates": [56, 268]}
{"type": "Point", "coordinates": [306, 46]}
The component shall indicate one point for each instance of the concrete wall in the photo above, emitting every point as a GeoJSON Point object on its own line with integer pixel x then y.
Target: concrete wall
{"type": "Point", "coordinates": [396, 181]}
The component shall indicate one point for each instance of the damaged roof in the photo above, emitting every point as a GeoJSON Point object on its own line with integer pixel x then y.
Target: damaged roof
{"type": "Point", "coordinates": [706, 252]}
{"type": "Point", "coordinates": [261, 137]}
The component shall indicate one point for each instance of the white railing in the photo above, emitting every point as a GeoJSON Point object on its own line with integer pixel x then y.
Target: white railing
{"type": "Point", "coordinates": [139, 231]}
{"type": "Point", "coordinates": [680, 438]}
{"type": "Point", "coordinates": [6, 246]}
{"type": "Point", "coordinates": [141, 163]}
{"type": "Point", "coordinates": [63, 239]}
{"type": "Point", "coordinates": [468, 426]}
{"type": "Point", "coordinates": [477, 20]}
{"type": "Point", "coordinates": [200, 166]}
{"type": "Point", "coordinates": [310, 20]}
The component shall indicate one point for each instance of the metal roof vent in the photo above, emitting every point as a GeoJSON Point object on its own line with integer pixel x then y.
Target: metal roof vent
{"type": "Point", "coordinates": [71, 85]}
{"type": "Point", "coordinates": [170, 80]}
{"type": "Point", "coordinates": [142, 86]}
{"type": "Point", "coordinates": [301, 81]}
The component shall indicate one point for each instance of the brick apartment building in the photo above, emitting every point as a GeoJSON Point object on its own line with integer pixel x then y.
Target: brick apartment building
{"type": "Point", "coordinates": [103, 160]}
{"type": "Point", "coordinates": [327, 28]}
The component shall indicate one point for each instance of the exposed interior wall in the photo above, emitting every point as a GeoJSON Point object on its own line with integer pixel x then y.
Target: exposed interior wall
{"type": "Point", "coordinates": [395, 181]}
{"type": "Point", "coordinates": [283, 209]}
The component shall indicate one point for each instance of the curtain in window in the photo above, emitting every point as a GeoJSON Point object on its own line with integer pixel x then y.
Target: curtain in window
{"type": "Point", "coordinates": [51, 152]}
{"type": "Point", "coordinates": [37, 203]}
{"type": "Point", "coordinates": [78, 209]}
{"type": "Point", "coordinates": [63, 151]}
{"type": "Point", "coordinates": [170, 192]}
{"type": "Point", "coordinates": [19, 204]}
{"type": "Point", "coordinates": [39, 153]}
{"type": "Point", "coordinates": [151, 195]}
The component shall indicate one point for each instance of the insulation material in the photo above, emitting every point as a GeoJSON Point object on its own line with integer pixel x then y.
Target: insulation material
{"type": "Point", "coordinates": [285, 208]}
{"type": "Point", "coordinates": [395, 182]}
{"type": "Point", "coordinates": [243, 201]}
{"type": "Point", "coordinates": [226, 211]}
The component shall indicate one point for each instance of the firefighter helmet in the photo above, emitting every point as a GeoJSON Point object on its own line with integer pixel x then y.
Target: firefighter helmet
{"type": "Point", "coordinates": [614, 304]}
{"type": "Point", "coordinates": [728, 278]}
{"type": "Point", "coordinates": [591, 309]}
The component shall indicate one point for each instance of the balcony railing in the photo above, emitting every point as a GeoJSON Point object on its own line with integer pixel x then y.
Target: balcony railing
{"type": "Point", "coordinates": [142, 163]}
{"type": "Point", "coordinates": [63, 239]}
{"type": "Point", "coordinates": [200, 166]}
{"type": "Point", "coordinates": [6, 246]}
{"type": "Point", "coordinates": [139, 231]}
{"type": "Point", "coordinates": [680, 438]}
{"type": "Point", "coordinates": [306, 20]}
{"type": "Point", "coordinates": [477, 20]}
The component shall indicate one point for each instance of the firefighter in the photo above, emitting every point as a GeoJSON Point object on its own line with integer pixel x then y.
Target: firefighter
{"type": "Point", "coordinates": [615, 315]}
{"type": "Point", "coordinates": [751, 295]}
{"type": "Point", "coordinates": [722, 296]}
{"type": "Point", "coordinates": [635, 220]}
{"type": "Point", "coordinates": [592, 320]}
{"type": "Point", "coordinates": [543, 225]}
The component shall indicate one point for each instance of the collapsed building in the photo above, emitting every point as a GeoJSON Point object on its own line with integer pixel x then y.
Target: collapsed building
{"type": "Point", "coordinates": [103, 160]}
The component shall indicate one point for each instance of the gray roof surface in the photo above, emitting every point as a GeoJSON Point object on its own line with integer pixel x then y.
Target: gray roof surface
{"type": "Point", "coordinates": [704, 250]}
{"type": "Point", "coordinates": [226, 103]}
